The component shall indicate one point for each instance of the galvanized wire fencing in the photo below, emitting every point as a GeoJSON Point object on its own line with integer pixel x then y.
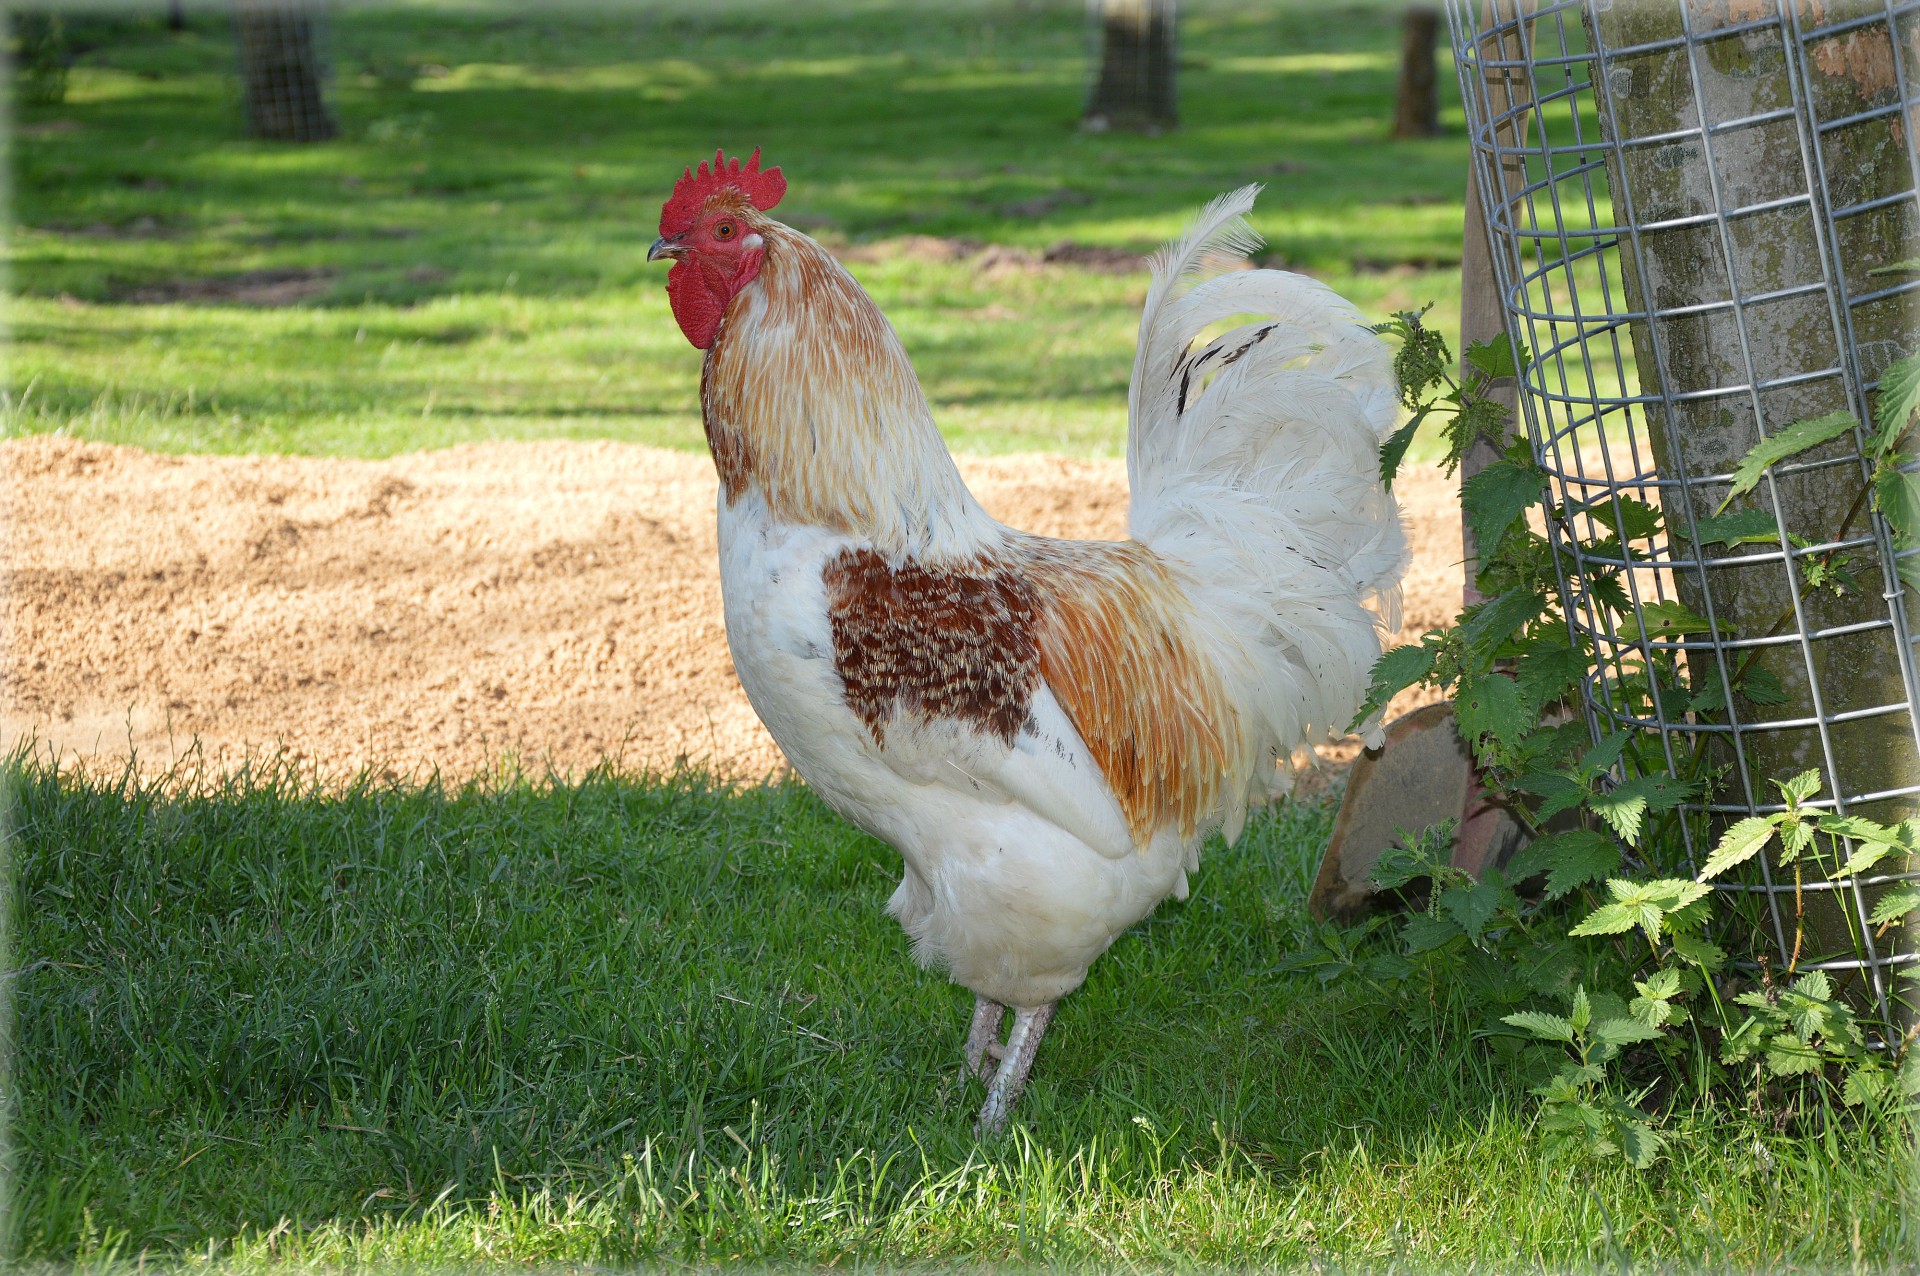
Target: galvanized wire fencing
{"type": "Point", "coordinates": [1698, 215]}
{"type": "Point", "coordinates": [280, 44]}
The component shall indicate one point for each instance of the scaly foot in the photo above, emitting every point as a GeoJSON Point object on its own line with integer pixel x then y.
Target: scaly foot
{"type": "Point", "coordinates": [1016, 1062]}
{"type": "Point", "coordinates": [983, 1037]}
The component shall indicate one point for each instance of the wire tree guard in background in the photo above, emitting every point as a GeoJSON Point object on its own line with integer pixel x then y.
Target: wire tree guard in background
{"type": "Point", "coordinates": [1692, 210]}
{"type": "Point", "coordinates": [283, 70]}
{"type": "Point", "coordinates": [1135, 66]}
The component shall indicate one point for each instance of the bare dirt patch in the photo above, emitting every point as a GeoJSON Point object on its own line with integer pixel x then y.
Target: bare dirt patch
{"type": "Point", "coordinates": [558, 603]}
{"type": "Point", "coordinates": [282, 287]}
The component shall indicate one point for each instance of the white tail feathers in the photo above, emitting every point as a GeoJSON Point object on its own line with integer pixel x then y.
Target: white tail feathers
{"type": "Point", "coordinates": [1254, 465]}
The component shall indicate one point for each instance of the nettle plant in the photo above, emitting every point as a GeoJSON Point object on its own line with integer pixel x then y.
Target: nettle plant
{"type": "Point", "coordinates": [1593, 956]}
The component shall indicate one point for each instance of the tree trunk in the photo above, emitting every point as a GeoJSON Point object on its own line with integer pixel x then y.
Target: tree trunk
{"type": "Point", "coordinates": [1696, 354]}
{"type": "Point", "coordinates": [1134, 89]}
{"type": "Point", "coordinates": [1416, 103]}
{"type": "Point", "coordinates": [281, 75]}
{"type": "Point", "coordinates": [1509, 98]}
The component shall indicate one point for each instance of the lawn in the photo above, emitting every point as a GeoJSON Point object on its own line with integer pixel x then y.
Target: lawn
{"type": "Point", "coordinates": [624, 1020]}
{"type": "Point", "coordinates": [471, 255]}
{"type": "Point", "coordinates": [649, 1019]}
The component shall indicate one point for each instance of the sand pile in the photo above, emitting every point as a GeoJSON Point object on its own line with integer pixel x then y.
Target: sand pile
{"type": "Point", "coordinates": [554, 603]}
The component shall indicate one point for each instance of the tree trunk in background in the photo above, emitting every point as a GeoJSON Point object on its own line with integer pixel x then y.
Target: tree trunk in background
{"type": "Point", "coordinates": [282, 78]}
{"type": "Point", "coordinates": [1741, 75]}
{"type": "Point", "coordinates": [1416, 103]}
{"type": "Point", "coordinates": [1134, 89]}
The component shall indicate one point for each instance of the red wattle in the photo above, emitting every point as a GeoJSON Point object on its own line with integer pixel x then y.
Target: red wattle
{"type": "Point", "coordinates": [699, 293]}
{"type": "Point", "coordinates": [695, 305]}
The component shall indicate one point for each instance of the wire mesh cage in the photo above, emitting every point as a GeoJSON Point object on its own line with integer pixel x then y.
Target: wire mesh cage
{"type": "Point", "coordinates": [283, 72]}
{"type": "Point", "coordinates": [1702, 218]}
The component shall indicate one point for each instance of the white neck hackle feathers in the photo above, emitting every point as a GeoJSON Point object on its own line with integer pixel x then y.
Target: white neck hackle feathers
{"type": "Point", "coordinates": [810, 400]}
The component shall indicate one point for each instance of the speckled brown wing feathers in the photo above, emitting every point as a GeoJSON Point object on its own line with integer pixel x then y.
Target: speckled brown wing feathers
{"type": "Point", "coordinates": [1103, 624]}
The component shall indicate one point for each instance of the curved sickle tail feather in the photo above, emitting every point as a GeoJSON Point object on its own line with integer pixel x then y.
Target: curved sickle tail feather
{"type": "Point", "coordinates": [1254, 464]}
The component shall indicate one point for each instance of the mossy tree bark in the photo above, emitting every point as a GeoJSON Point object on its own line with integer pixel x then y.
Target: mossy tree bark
{"type": "Point", "coordinates": [1694, 347]}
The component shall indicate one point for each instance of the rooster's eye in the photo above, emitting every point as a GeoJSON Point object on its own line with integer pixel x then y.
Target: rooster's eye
{"type": "Point", "coordinates": [723, 230]}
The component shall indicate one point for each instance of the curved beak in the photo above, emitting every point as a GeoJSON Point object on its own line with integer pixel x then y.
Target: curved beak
{"type": "Point", "coordinates": [665, 248]}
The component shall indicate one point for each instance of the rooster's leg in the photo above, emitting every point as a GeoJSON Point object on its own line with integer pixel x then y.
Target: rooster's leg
{"type": "Point", "coordinates": [983, 1038]}
{"type": "Point", "coordinates": [1023, 1043]}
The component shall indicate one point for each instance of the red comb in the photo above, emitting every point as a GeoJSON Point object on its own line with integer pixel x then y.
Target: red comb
{"type": "Point", "coordinates": [693, 189]}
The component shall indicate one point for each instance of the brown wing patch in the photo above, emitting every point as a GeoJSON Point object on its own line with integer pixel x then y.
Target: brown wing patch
{"type": "Point", "coordinates": [1119, 654]}
{"type": "Point", "coordinates": [947, 642]}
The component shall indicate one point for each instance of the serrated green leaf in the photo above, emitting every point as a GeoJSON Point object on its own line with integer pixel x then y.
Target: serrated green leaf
{"type": "Point", "coordinates": [1864, 857]}
{"type": "Point", "coordinates": [1603, 755]}
{"type": "Point", "coordinates": [1394, 672]}
{"type": "Point", "coordinates": [1673, 893]}
{"type": "Point", "coordinates": [1394, 450]}
{"type": "Point", "coordinates": [1792, 440]}
{"type": "Point", "coordinates": [1496, 357]}
{"type": "Point", "coordinates": [1621, 1032]}
{"type": "Point", "coordinates": [1424, 932]}
{"type": "Point", "coordinates": [1607, 590]}
{"type": "Point", "coordinates": [1472, 907]}
{"type": "Point", "coordinates": [1660, 985]}
{"type": "Point", "coordinates": [1896, 494]}
{"type": "Point", "coordinates": [1624, 812]}
{"type": "Point", "coordinates": [1625, 808]}
{"type": "Point", "coordinates": [1570, 860]}
{"type": "Point", "coordinates": [1689, 916]}
{"type": "Point", "coordinates": [1547, 673]}
{"type": "Point", "coordinates": [1741, 527]}
{"type": "Point", "coordinates": [1639, 1144]}
{"type": "Point", "coordinates": [1895, 903]}
{"type": "Point", "coordinates": [1490, 706]}
{"type": "Point", "coordinates": [1800, 787]}
{"type": "Point", "coordinates": [1608, 919]}
{"type": "Point", "coordinates": [1486, 626]}
{"type": "Point", "coordinates": [1556, 792]}
{"type": "Point", "coordinates": [1899, 399]}
{"type": "Point", "coordinates": [1737, 845]}
{"type": "Point", "coordinates": [1494, 500]}
{"type": "Point", "coordinates": [1875, 841]}
{"type": "Point", "coordinates": [1787, 1056]}
{"type": "Point", "coordinates": [1539, 1024]}
{"type": "Point", "coordinates": [1865, 1084]}
{"type": "Point", "coordinates": [1814, 985]}
{"type": "Point", "coordinates": [1697, 950]}
{"type": "Point", "coordinates": [1861, 829]}
{"type": "Point", "coordinates": [1633, 520]}
{"type": "Point", "coordinates": [1672, 619]}
{"type": "Point", "coordinates": [1581, 1012]}
{"type": "Point", "coordinates": [1761, 687]}
{"type": "Point", "coordinates": [1654, 1006]}
{"type": "Point", "coordinates": [1796, 835]}
{"type": "Point", "coordinates": [1709, 698]}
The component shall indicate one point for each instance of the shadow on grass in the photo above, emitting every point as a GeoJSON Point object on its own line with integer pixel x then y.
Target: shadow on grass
{"type": "Point", "coordinates": [253, 998]}
{"type": "Point", "coordinates": [630, 1018]}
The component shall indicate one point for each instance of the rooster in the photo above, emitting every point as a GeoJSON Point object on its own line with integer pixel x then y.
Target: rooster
{"type": "Point", "coordinates": [1045, 729]}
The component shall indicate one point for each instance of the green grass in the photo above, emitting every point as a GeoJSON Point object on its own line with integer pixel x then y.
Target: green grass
{"type": "Point", "coordinates": [476, 241]}
{"type": "Point", "coordinates": [621, 1021]}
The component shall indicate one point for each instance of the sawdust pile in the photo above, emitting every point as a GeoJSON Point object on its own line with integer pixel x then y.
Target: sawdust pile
{"type": "Point", "coordinates": [550, 604]}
